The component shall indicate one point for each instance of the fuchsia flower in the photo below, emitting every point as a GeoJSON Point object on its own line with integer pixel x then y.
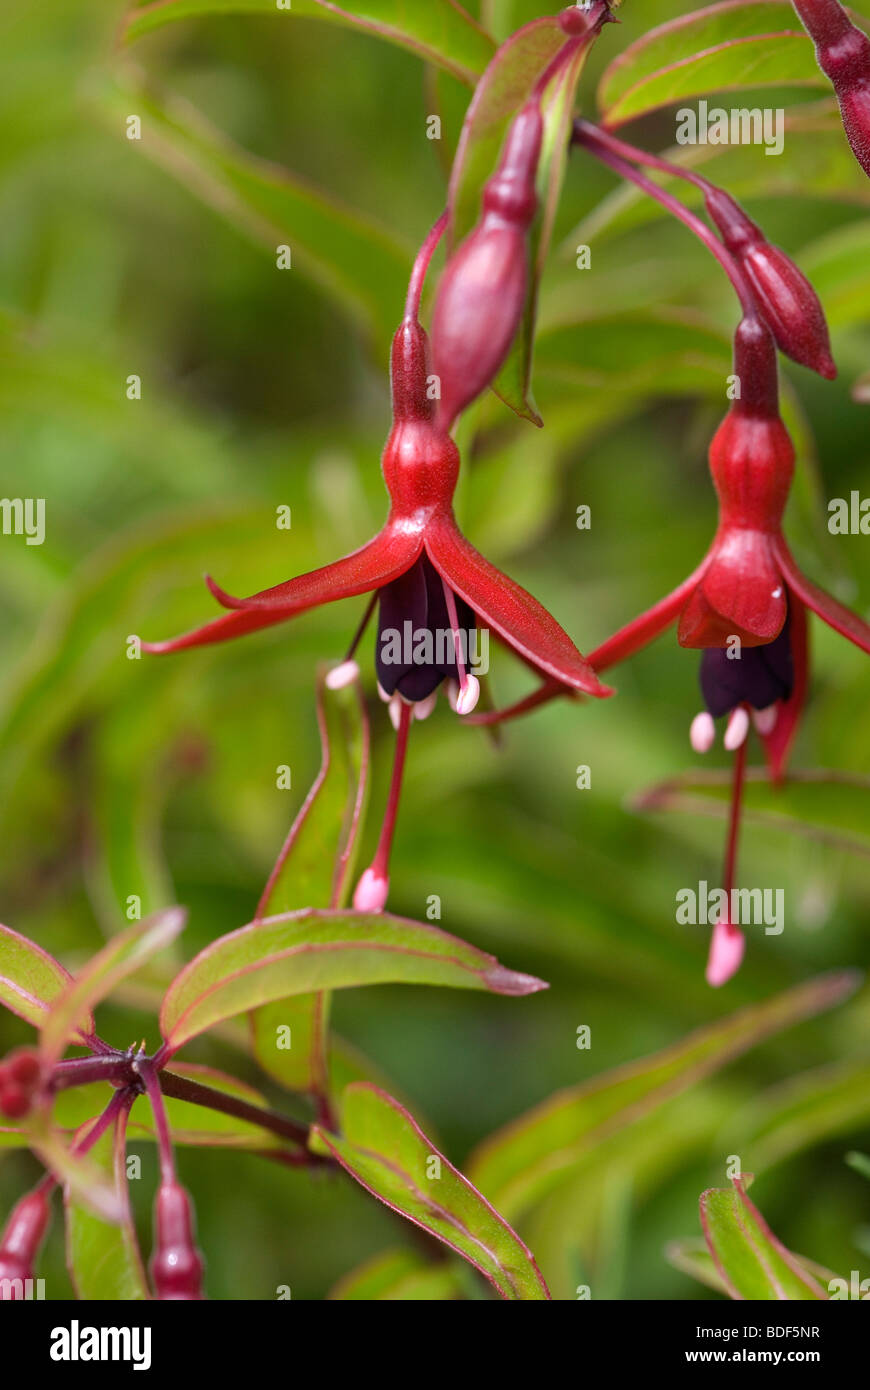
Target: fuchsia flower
{"type": "Point", "coordinates": [424, 572]}
{"type": "Point", "coordinates": [747, 588]}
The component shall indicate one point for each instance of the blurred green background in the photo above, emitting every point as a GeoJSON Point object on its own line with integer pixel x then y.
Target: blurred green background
{"type": "Point", "coordinates": [263, 387]}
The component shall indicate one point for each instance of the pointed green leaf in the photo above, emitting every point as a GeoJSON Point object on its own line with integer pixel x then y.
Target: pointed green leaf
{"type": "Point", "coordinates": [119, 958]}
{"type": "Point", "coordinates": [314, 869]}
{"type": "Point", "coordinates": [302, 952]}
{"type": "Point", "coordinates": [725, 47]}
{"type": "Point", "coordinates": [520, 1163]}
{"type": "Point", "coordinates": [30, 979]}
{"type": "Point", "coordinates": [439, 31]}
{"type": "Point", "coordinates": [749, 1259]}
{"type": "Point", "coordinates": [385, 1150]}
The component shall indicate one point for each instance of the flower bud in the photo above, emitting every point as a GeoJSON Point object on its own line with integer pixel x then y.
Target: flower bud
{"type": "Point", "coordinates": [751, 454]}
{"type": "Point", "coordinates": [482, 294]}
{"type": "Point", "coordinates": [785, 296]}
{"type": "Point", "coordinates": [25, 1231]}
{"type": "Point", "coordinates": [843, 54]}
{"type": "Point", "coordinates": [176, 1264]}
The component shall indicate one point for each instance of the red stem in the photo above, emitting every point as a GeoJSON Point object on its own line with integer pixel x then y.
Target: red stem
{"type": "Point", "coordinates": [599, 144]}
{"type": "Point", "coordinates": [381, 861]}
{"type": "Point", "coordinates": [421, 265]}
{"type": "Point", "coordinates": [730, 866]}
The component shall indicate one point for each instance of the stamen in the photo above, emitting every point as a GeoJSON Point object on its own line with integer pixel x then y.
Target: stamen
{"type": "Point", "coordinates": [394, 710]}
{"type": "Point", "coordinates": [738, 728]}
{"type": "Point", "coordinates": [423, 708]}
{"type": "Point", "coordinates": [382, 694]}
{"type": "Point", "coordinates": [728, 942]}
{"type": "Point", "coordinates": [469, 686]}
{"type": "Point", "coordinates": [340, 676]}
{"type": "Point", "coordinates": [702, 732]}
{"type": "Point", "coordinates": [468, 696]}
{"type": "Point", "coordinates": [374, 885]}
{"type": "Point", "coordinates": [765, 719]}
{"type": "Point", "coordinates": [727, 946]}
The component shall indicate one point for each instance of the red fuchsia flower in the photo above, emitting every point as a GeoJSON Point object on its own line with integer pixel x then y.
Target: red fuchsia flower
{"type": "Point", "coordinates": [843, 54]}
{"type": "Point", "coordinates": [745, 605]}
{"type": "Point", "coordinates": [429, 580]}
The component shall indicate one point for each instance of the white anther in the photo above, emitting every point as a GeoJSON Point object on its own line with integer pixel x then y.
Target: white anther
{"type": "Point", "coordinates": [765, 719]}
{"type": "Point", "coordinates": [738, 728]}
{"type": "Point", "coordinates": [342, 675]}
{"type": "Point", "coordinates": [468, 695]}
{"type": "Point", "coordinates": [702, 732]}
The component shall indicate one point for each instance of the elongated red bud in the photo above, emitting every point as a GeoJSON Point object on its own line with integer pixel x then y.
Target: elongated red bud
{"type": "Point", "coordinates": [843, 54]}
{"type": "Point", "coordinates": [787, 300]}
{"type": "Point", "coordinates": [751, 454]}
{"type": "Point", "coordinates": [19, 1247]}
{"type": "Point", "coordinates": [420, 461]}
{"type": "Point", "coordinates": [176, 1265]}
{"type": "Point", "coordinates": [482, 293]}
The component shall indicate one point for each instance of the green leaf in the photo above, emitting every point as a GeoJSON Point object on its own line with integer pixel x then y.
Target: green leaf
{"type": "Point", "coordinates": [104, 1259]}
{"type": "Point", "coordinates": [357, 263]}
{"type": "Point", "coordinates": [84, 1179]}
{"type": "Point", "coordinates": [398, 1276]}
{"type": "Point", "coordinates": [826, 805]}
{"type": "Point", "coordinates": [388, 1154]}
{"type": "Point", "coordinates": [30, 979]}
{"type": "Point", "coordinates": [119, 958]}
{"type": "Point", "coordinates": [439, 31]}
{"type": "Point", "coordinates": [692, 1257]}
{"type": "Point", "coordinates": [504, 88]}
{"type": "Point", "coordinates": [750, 1260]}
{"type": "Point", "coordinates": [719, 48]}
{"type": "Point", "coordinates": [301, 952]}
{"type": "Point", "coordinates": [519, 1163]}
{"type": "Point", "coordinates": [314, 869]}
{"type": "Point", "coordinates": [804, 1111]}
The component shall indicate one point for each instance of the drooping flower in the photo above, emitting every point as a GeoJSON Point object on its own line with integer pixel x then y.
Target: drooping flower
{"type": "Point", "coordinates": [426, 575]}
{"type": "Point", "coordinates": [745, 605]}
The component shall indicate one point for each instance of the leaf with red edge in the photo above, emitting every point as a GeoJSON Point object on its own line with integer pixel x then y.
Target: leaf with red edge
{"type": "Point", "coordinates": [119, 958]}
{"type": "Point", "coordinates": [314, 869]}
{"type": "Point", "coordinates": [825, 805]}
{"type": "Point", "coordinates": [725, 47]}
{"type": "Point", "coordinates": [303, 952]}
{"type": "Point", "coordinates": [438, 31]}
{"type": "Point", "coordinates": [750, 1260]}
{"type": "Point", "coordinates": [520, 1163]}
{"type": "Point", "coordinates": [30, 979]}
{"type": "Point", "coordinates": [386, 1151]}
{"type": "Point", "coordinates": [520, 621]}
